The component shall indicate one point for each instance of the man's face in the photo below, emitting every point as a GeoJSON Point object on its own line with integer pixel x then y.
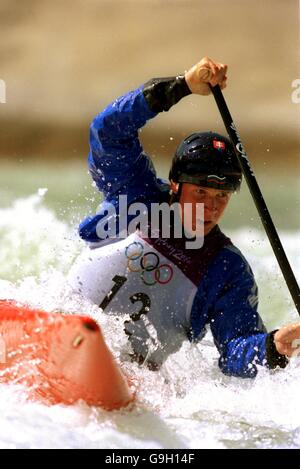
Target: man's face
{"type": "Point", "coordinates": [215, 201]}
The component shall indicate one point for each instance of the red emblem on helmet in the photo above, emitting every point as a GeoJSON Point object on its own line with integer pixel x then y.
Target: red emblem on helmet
{"type": "Point", "coordinates": [218, 145]}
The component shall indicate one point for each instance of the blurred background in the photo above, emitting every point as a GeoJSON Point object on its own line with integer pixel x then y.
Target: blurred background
{"type": "Point", "coordinates": [64, 61]}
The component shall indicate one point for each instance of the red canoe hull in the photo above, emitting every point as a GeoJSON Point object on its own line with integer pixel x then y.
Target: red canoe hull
{"type": "Point", "coordinates": [61, 359]}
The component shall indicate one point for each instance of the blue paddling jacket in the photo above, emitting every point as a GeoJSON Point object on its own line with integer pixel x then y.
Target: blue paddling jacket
{"type": "Point", "coordinates": [226, 298]}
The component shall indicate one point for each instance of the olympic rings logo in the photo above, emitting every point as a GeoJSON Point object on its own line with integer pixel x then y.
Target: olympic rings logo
{"type": "Point", "coordinates": [148, 265]}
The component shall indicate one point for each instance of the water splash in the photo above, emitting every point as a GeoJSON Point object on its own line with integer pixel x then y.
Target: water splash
{"type": "Point", "coordinates": [33, 239]}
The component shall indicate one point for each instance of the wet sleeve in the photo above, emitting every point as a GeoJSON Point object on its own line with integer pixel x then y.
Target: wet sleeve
{"type": "Point", "coordinates": [116, 158]}
{"type": "Point", "coordinates": [117, 161]}
{"type": "Point", "coordinates": [238, 331]}
{"type": "Point", "coordinates": [162, 93]}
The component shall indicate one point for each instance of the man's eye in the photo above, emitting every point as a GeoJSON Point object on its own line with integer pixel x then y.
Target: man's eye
{"type": "Point", "coordinates": [222, 195]}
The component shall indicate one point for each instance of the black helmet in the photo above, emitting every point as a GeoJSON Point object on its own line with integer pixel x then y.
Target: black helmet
{"type": "Point", "coordinates": [207, 159]}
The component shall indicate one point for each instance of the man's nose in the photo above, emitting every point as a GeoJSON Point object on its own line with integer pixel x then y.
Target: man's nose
{"type": "Point", "coordinates": [210, 204]}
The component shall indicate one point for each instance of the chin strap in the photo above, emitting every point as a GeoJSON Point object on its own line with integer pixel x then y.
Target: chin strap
{"type": "Point", "coordinates": [175, 196]}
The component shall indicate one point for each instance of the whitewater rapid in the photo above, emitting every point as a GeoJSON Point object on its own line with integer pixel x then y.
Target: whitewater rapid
{"type": "Point", "coordinates": [189, 403]}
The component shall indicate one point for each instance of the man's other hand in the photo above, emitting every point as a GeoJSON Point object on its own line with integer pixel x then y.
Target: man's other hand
{"type": "Point", "coordinates": [287, 340]}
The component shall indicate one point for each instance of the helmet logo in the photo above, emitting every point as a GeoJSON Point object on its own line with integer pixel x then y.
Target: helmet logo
{"type": "Point", "coordinates": [216, 179]}
{"type": "Point", "coordinates": [218, 145]}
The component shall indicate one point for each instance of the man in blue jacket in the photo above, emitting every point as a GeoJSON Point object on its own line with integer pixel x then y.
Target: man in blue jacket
{"type": "Point", "coordinates": [165, 290]}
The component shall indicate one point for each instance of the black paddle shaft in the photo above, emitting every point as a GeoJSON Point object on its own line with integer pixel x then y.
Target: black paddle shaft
{"type": "Point", "coordinates": [257, 197]}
